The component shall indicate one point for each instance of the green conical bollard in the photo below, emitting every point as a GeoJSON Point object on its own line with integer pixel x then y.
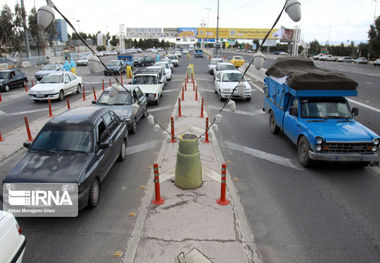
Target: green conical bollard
{"type": "Point", "coordinates": [188, 169]}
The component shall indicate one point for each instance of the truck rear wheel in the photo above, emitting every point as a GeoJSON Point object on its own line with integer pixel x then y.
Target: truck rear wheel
{"type": "Point", "coordinates": [303, 152]}
{"type": "Point", "coordinates": [274, 129]}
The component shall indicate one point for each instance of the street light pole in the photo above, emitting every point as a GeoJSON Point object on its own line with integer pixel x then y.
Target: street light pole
{"type": "Point", "coordinates": [208, 21]}
{"type": "Point", "coordinates": [217, 47]}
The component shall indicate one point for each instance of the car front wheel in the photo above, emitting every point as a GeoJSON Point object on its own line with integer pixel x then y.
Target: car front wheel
{"type": "Point", "coordinates": [78, 88]}
{"type": "Point", "coordinates": [61, 95]}
{"type": "Point", "coordinates": [93, 198]}
{"type": "Point", "coordinates": [303, 152]}
{"type": "Point", "coordinates": [272, 124]}
{"type": "Point", "coordinates": [123, 152]}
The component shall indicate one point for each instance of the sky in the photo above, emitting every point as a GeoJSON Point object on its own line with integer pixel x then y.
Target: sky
{"type": "Point", "coordinates": [324, 20]}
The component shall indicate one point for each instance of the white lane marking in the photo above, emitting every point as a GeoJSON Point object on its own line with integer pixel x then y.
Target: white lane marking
{"type": "Point", "coordinates": [23, 112]}
{"type": "Point", "coordinates": [253, 113]}
{"type": "Point", "coordinates": [264, 155]}
{"type": "Point", "coordinates": [364, 105]}
{"type": "Point", "coordinates": [206, 90]}
{"type": "Point", "coordinates": [376, 169]}
{"type": "Point", "coordinates": [368, 83]}
{"type": "Point", "coordinates": [257, 87]}
{"type": "Point", "coordinates": [141, 147]}
{"type": "Point", "coordinates": [160, 108]}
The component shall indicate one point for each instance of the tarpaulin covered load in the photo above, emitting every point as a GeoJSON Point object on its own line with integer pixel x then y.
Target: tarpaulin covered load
{"type": "Point", "coordinates": [302, 74]}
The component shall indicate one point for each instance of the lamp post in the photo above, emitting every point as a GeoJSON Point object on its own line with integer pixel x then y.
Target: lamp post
{"type": "Point", "coordinates": [217, 44]}
{"type": "Point", "coordinates": [208, 21]}
{"type": "Point", "coordinates": [203, 24]}
{"type": "Point", "coordinates": [293, 9]}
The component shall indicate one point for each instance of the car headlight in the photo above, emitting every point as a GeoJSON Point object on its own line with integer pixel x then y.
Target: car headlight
{"type": "Point", "coordinates": [374, 148]}
{"type": "Point", "coordinates": [318, 148]}
{"type": "Point", "coordinates": [319, 140]}
{"type": "Point", "coordinates": [376, 141]}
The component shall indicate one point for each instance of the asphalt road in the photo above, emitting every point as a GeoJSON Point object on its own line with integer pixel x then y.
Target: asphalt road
{"type": "Point", "coordinates": [325, 214]}
{"type": "Point", "coordinates": [97, 233]}
{"type": "Point", "coordinates": [329, 213]}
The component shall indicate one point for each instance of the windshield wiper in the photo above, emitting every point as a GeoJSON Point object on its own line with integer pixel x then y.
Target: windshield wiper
{"type": "Point", "coordinates": [76, 151]}
{"type": "Point", "coordinates": [43, 150]}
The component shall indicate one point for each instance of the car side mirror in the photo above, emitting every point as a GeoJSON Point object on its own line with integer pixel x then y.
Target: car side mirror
{"type": "Point", "coordinates": [93, 102]}
{"type": "Point", "coordinates": [160, 82]}
{"type": "Point", "coordinates": [104, 145]}
{"type": "Point", "coordinates": [27, 145]}
{"type": "Point", "coordinates": [293, 111]}
{"type": "Point", "coordinates": [355, 111]}
{"type": "Point", "coordinates": [217, 79]}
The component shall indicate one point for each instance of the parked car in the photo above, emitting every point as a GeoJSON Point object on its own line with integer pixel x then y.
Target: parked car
{"type": "Point", "coordinates": [237, 61]}
{"type": "Point", "coordinates": [376, 62]}
{"type": "Point", "coordinates": [316, 57]}
{"type": "Point", "coordinates": [212, 64]}
{"type": "Point", "coordinates": [361, 60]}
{"type": "Point", "coordinates": [150, 83]}
{"type": "Point", "coordinates": [12, 241]}
{"type": "Point", "coordinates": [144, 61]}
{"type": "Point", "coordinates": [128, 108]}
{"type": "Point", "coordinates": [331, 58]}
{"type": "Point", "coordinates": [78, 146]}
{"type": "Point", "coordinates": [49, 68]}
{"type": "Point", "coordinates": [327, 57]}
{"type": "Point", "coordinates": [117, 67]}
{"type": "Point", "coordinates": [346, 59]}
{"type": "Point", "coordinates": [227, 80]}
{"type": "Point", "coordinates": [56, 86]}
{"type": "Point", "coordinates": [166, 67]}
{"type": "Point", "coordinates": [223, 66]}
{"type": "Point", "coordinates": [11, 79]}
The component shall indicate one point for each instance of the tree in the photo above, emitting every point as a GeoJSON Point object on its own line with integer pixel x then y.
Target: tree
{"type": "Point", "coordinates": [6, 27]}
{"type": "Point", "coordinates": [374, 39]}
{"type": "Point", "coordinates": [114, 41]}
{"type": "Point", "coordinates": [315, 47]}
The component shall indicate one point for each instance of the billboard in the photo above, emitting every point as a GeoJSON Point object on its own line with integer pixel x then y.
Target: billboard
{"type": "Point", "coordinates": [236, 33]}
{"type": "Point", "coordinates": [285, 34]}
{"type": "Point", "coordinates": [187, 31]}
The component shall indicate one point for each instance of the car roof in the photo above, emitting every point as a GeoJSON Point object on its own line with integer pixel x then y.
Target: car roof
{"type": "Point", "coordinates": [57, 73]}
{"type": "Point", "coordinates": [84, 116]}
{"type": "Point", "coordinates": [225, 63]}
{"type": "Point", "coordinates": [128, 87]}
{"type": "Point", "coordinates": [230, 71]}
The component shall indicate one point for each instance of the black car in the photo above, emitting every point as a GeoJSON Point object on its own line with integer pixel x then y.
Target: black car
{"type": "Point", "coordinates": [144, 61]}
{"type": "Point", "coordinates": [116, 66]}
{"type": "Point", "coordinates": [11, 79]}
{"type": "Point", "coordinates": [78, 146]}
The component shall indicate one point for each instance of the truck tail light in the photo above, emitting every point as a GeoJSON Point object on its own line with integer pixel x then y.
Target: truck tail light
{"type": "Point", "coordinates": [155, 95]}
{"type": "Point", "coordinates": [18, 228]}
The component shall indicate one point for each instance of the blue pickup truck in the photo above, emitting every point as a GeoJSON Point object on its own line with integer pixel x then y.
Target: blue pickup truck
{"type": "Point", "coordinates": [127, 59]}
{"type": "Point", "coordinates": [308, 105]}
{"type": "Point", "coordinates": [198, 53]}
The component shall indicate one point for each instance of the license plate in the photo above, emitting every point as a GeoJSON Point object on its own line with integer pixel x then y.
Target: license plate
{"type": "Point", "coordinates": [40, 96]}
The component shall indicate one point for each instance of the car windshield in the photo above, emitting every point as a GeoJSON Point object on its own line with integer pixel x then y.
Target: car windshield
{"type": "Point", "coordinates": [329, 108]}
{"type": "Point", "coordinates": [113, 63]}
{"type": "Point", "coordinates": [74, 138]}
{"type": "Point", "coordinates": [4, 75]}
{"type": "Point", "coordinates": [238, 58]}
{"type": "Point", "coordinates": [150, 80]}
{"type": "Point", "coordinates": [52, 79]}
{"type": "Point", "coordinates": [232, 77]}
{"type": "Point", "coordinates": [216, 61]}
{"type": "Point", "coordinates": [49, 67]}
{"type": "Point", "coordinates": [226, 67]}
{"type": "Point", "coordinates": [122, 98]}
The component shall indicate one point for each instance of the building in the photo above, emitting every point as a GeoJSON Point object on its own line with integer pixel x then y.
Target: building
{"type": "Point", "coordinates": [61, 31]}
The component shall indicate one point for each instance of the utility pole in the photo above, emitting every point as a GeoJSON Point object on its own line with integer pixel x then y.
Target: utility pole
{"type": "Point", "coordinates": [217, 44]}
{"type": "Point", "coordinates": [25, 31]}
{"type": "Point", "coordinates": [208, 21]}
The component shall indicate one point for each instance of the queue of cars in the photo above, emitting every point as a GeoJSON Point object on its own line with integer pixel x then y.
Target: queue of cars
{"type": "Point", "coordinates": [347, 59]}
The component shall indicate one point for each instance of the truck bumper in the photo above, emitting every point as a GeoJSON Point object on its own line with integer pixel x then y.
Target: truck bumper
{"type": "Point", "coordinates": [348, 157]}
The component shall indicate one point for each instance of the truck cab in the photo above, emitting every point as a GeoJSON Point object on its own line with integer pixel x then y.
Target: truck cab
{"type": "Point", "coordinates": [309, 106]}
